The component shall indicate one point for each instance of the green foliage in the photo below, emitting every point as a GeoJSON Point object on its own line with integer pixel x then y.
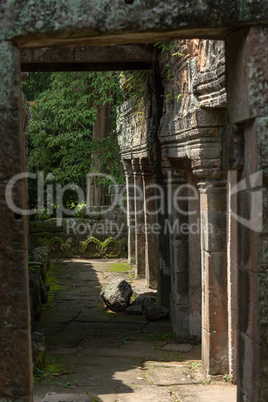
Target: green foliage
{"type": "Point", "coordinates": [195, 366]}
{"type": "Point", "coordinates": [133, 85]}
{"type": "Point", "coordinates": [107, 159]}
{"type": "Point", "coordinates": [36, 83]}
{"type": "Point", "coordinates": [60, 132]}
{"type": "Point", "coordinates": [169, 54]}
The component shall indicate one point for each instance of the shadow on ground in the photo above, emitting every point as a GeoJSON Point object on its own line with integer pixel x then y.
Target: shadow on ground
{"type": "Point", "coordinates": [93, 354]}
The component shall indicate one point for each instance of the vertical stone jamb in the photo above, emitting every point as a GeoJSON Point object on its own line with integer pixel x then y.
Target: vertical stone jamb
{"type": "Point", "coordinates": [163, 240]}
{"type": "Point", "coordinates": [178, 227]}
{"type": "Point", "coordinates": [15, 341]}
{"type": "Point", "coordinates": [139, 219]}
{"type": "Point", "coordinates": [194, 244]}
{"type": "Point", "coordinates": [247, 93]}
{"type": "Point", "coordinates": [232, 272]}
{"type": "Point", "coordinates": [214, 276]}
{"type": "Point", "coordinates": [150, 222]}
{"type": "Point", "coordinates": [130, 210]}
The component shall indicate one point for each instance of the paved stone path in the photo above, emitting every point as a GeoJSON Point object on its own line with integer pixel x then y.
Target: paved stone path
{"type": "Point", "coordinates": [93, 354]}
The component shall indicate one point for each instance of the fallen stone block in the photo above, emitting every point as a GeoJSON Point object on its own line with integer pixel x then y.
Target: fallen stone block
{"type": "Point", "coordinates": [144, 292]}
{"type": "Point", "coordinates": [155, 312]}
{"type": "Point", "coordinates": [134, 310]}
{"type": "Point", "coordinates": [117, 294]}
{"type": "Point", "coordinates": [144, 301]}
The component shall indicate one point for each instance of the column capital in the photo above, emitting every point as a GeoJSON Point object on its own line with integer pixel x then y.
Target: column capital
{"type": "Point", "coordinates": [206, 185]}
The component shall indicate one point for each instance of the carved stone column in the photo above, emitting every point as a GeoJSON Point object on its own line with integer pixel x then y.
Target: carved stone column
{"type": "Point", "coordinates": [247, 91]}
{"type": "Point", "coordinates": [150, 224]}
{"type": "Point", "coordinates": [130, 210]}
{"type": "Point", "coordinates": [15, 341]}
{"type": "Point", "coordinates": [214, 276]}
{"type": "Point", "coordinates": [178, 234]}
{"type": "Point", "coordinates": [139, 219]}
{"type": "Point", "coordinates": [163, 240]}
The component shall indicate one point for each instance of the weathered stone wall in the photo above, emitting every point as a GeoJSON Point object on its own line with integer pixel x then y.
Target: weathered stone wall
{"type": "Point", "coordinates": [71, 231]}
{"type": "Point", "coordinates": [185, 150]}
{"type": "Point", "coordinates": [190, 138]}
{"type": "Point", "coordinates": [45, 23]}
{"type": "Point", "coordinates": [196, 148]}
{"type": "Point", "coordinates": [247, 86]}
{"type": "Point", "coordinates": [61, 20]}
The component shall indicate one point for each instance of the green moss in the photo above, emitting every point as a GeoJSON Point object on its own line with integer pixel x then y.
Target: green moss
{"type": "Point", "coordinates": [119, 267]}
{"type": "Point", "coordinates": [109, 248]}
{"type": "Point", "coordinates": [59, 249]}
{"type": "Point", "coordinates": [54, 286]}
{"type": "Point", "coordinates": [43, 242]}
{"type": "Point", "coordinates": [91, 248]}
{"type": "Point", "coordinates": [51, 370]}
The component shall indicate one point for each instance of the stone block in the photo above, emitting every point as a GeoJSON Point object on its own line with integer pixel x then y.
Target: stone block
{"type": "Point", "coordinates": [213, 230]}
{"type": "Point", "coordinates": [246, 61]}
{"type": "Point", "coordinates": [180, 322]}
{"type": "Point", "coordinates": [10, 81]}
{"type": "Point", "coordinates": [215, 305]}
{"type": "Point", "coordinates": [215, 352]}
{"type": "Point", "coordinates": [12, 144]}
{"type": "Point", "coordinates": [15, 325]}
{"type": "Point", "coordinates": [117, 294]}
{"type": "Point", "coordinates": [154, 312]}
{"type": "Point", "coordinates": [180, 255]}
{"type": "Point", "coordinates": [211, 117]}
{"type": "Point", "coordinates": [13, 226]}
{"type": "Point", "coordinates": [215, 199]}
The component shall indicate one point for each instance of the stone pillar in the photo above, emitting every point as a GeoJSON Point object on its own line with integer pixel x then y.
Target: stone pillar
{"type": "Point", "coordinates": [164, 263]}
{"type": "Point", "coordinates": [139, 219]}
{"type": "Point", "coordinates": [247, 93]}
{"type": "Point", "coordinates": [15, 341]}
{"type": "Point", "coordinates": [150, 221]}
{"type": "Point", "coordinates": [195, 289]}
{"type": "Point", "coordinates": [130, 210]}
{"type": "Point", "coordinates": [214, 276]}
{"type": "Point", "coordinates": [178, 232]}
{"type": "Point", "coordinates": [232, 272]}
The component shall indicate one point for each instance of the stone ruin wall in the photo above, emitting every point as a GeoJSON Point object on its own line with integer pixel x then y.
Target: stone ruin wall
{"type": "Point", "coordinates": [244, 27]}
{"type": "Point", "coordinates": [188, 147]}
{"type": "Point", "coordinates": [190, 137]}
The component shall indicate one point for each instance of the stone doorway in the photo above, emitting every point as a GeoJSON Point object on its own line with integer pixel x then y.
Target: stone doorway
{"type": "Point", "coordinates": [245, 31]}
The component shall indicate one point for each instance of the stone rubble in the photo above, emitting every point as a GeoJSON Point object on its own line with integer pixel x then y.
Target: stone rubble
{"type": "Point", "coordinates": [117, 294]}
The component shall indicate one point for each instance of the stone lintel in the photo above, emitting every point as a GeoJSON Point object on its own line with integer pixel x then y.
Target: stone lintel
{"type": "Point", "coordinates": [37, 24]}
{"type": "Point", "coordinates": [90, 54]}
{"type": "Point", "coordinates": [88, 66]}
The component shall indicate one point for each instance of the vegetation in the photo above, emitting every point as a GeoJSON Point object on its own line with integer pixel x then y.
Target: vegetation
{"type": "Point", "coordinates": [65, 109]}
{"type": "Point", "coordinates": [60, 132]}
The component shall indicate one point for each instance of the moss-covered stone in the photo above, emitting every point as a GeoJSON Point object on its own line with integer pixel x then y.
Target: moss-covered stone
{"type": "Point", "coordinates": [59, 248]}
{"type": "Point", "coordinates": [56, 18]}
{"type": "Point", "coordinates": [91, 248]}
{"type": "Point", "coordinates": [109, 248]}
{"type": "Point", "coordinates": [113, 248]}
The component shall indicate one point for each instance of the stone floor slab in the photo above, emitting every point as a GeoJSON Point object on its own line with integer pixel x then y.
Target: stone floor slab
{"type": "Point", "coordinates": [146, 394]}
{"type": "Point", "coordinates": [112, 357]}
{"type": "Point", "coordinates": [54, 397]}
{"type": "Point", "coordinates": [176, 375]}
{"type": "Point", "coordinates": [206, 393]}
{"type": "Point", "coordinates": [174, 347]}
